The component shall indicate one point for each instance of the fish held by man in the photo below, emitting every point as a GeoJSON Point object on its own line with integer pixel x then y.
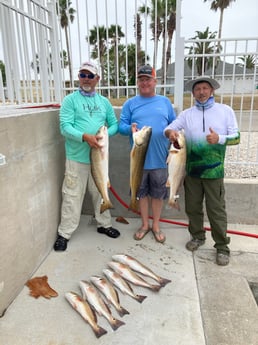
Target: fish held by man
{"type": "Point", "coordinates": [137, 266]}
{"type": "Point", "coordinates": [99, 167]}
{"type": "Point", "coordinates": [84, 309]}
{"type": "Point", "coordinates": [122, 285]}
{"type": "Point", "coordinates": [109, 292]}
{"type": "Point", "coordinates": [128, 274]}
{"type": "Point", "coordinates": [95, 300]}
{"type": "Point", "coordinates": [176, 169]}
{"type": "Point", "coordinates": [141, 140]}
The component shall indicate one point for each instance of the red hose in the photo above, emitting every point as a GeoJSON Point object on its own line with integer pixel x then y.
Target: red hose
{"type": "Point", "coordinates": [234, 232]}
{"type": "Point", "coordinates": [41, 106]}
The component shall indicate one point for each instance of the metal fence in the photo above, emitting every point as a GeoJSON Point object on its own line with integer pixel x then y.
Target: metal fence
{"type": "Point", "coordinates": [38, 38]}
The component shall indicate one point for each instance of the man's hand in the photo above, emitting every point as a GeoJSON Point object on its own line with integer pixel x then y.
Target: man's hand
{"type": "Point", "coordinates": [171, 135]}
{"type": "Point", "coordinates": [92, 140]}
{"type": "Point", "coordinates": [134, 127]}
{"type": "Point", "coordinates": [213, 137]}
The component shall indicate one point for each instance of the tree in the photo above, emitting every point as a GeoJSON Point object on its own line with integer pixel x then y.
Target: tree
{"type": "Point", "coordinates": [138, 34]}
{"type": "Point", "coordinates": [248, 61]}
{"type": "Point", "coordinates": [66, 14]}
{"type": "Point", "coordinates": [154, 11]}
{"type": "Point", "coordinates": [2, 69]}
{"type": "Point", "coordinates": [163, 23]}
{"type": "Point", "coordinates": [98, 38]}
{"type": "Point", "coordinates": [219, 5]}
{"type": "Point", "coordinates": [203, 48]}
{"type": "Point", "coordinates": [115, 33]}
{"type": "Point", "coordinates": [169, 26]}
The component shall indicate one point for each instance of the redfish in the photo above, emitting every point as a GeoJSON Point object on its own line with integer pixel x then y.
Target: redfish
{"type": "Point", "coordinates": [139, 267]}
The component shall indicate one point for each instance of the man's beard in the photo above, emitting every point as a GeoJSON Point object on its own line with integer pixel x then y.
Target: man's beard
{"type": "Point", "coordinates": [86, 88]}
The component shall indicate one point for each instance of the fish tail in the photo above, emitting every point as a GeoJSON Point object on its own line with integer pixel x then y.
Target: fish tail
{"type": "Point", "coordinates": [155, 287]}
{"type": "Point", "coordinates": [164, 281]}
{"type": "Point", "coordinates": [140, 298]}
{"type": "Point", "coordinates": [99, 331]}
{"type": "Point", "coordinates": [106, 206]}
{"type": "Point", "coordinates": [115, 324]}
{"type": "Point", "coordinates": [174, 204]}
{"type": "Point", "coordinates": [122, 311]}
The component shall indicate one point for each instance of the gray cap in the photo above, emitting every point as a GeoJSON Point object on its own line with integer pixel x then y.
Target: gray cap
{"type": "Point", "coordinates": [213, 83]}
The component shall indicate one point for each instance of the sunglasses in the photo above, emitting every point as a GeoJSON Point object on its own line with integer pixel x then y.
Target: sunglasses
{"type": "Point", "coordinates": [89, 76]}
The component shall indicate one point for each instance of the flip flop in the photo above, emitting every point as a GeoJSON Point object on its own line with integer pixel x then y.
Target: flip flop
{"type": "Point", "coordinates": [140, 234]}
{"type": "Point", "coordinates": [158, 238]}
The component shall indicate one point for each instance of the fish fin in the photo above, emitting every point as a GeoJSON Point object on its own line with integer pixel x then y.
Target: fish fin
{"type": "Point", "coordinates": [115, 324]}
{"type": "Point", "coordinates": [108, 183]}
{"type": "Point", "coordinates": [174, 204]}
{"type": "Point", "coordinates": [156, 287]}
{"type": "Point", "coordinates": [140, 298]}
{"type": "Point", "coordinates": [122, 311]}
{"type": "Point", "coordinates": [168, 158]}
{"type": "Point", "coordinates": [105, 206]}
{"type": "Point", "coordinates": [168, 183]}
{"type": "Point", "coordinates": [99, 331]}
{"type": "Point", "coordinates": [164, 281]}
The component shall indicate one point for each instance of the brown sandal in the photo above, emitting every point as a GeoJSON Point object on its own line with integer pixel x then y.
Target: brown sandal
{"type": "Point", "coordinates": [159, 236]}
{"type": "Point", "coordinates": [140, 234]}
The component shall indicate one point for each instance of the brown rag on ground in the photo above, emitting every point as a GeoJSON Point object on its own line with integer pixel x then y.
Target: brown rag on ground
{"type": "Point", "coordinates": [122, 220]}
{"type": "Point", "coordinates": [39, 287]}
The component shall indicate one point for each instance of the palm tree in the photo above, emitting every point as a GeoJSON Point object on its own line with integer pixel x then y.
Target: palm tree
{"type": "Point", "coordinates": [204, 48]}
{"type": "Point", "coordinates": [98, 38]}
{"type": "Point", "coordinates": [219, 5]}
{"type": "Point", "coordinates": [115, 33]}
{"type": "Point", "coordinates": [169, 25]}
{"type": "Point", "coordinates": [248, 61]}
{"type": "Point", "coordinates": [2, 69]}
{"type": "Point", "coordinates": [66, 14]}
{"type": "Point", "coordinates": [154, 11]}
{"type": "Point", "coordinates": [163, 23]}
{"type": "Point", "coordinates": [138, 34]}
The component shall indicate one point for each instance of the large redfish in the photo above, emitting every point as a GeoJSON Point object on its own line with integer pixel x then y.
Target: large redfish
{"type": "Point", "coordinates": [137, 266]}
{"type": "Point", "coordinates": [138, 152]}
{"type": "Point", "coordinates": [97, 303]}
{"type": "Point", "coordinates": [176, 168]}
{"type": "Point", "coordinates": [122, 285]}
{"type": "Point", "coordinates": [109, 292]}
{"type": "Point", "coordinates": [99, 167]}
{"type": "Point", "coordinates": [83, 308]}
{"type": "Point", "coordinates": [126, 273]}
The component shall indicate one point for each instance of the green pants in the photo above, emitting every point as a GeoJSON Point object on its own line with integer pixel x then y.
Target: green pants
{"type": "Point", "coordinates": [213, 192]}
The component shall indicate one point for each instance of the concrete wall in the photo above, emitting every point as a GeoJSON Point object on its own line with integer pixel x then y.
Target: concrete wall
{"type": "Point", "coordinates": [30, 197]}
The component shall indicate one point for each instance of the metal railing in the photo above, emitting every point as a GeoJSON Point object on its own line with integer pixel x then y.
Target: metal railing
{"type": "Point", "coordinates": [38, 38]}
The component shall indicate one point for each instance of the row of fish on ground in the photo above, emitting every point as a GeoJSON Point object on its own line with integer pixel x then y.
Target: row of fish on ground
{"type": "Point", "coordinates": [99, 292]}
{"type": "Point", "coordinates": [175, 161]}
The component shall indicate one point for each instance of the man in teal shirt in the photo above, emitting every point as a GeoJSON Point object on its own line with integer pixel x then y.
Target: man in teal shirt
{"type": "Point", "coordinates": [82, 113]}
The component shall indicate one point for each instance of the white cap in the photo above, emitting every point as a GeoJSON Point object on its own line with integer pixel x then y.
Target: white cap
{"type": "Point", "coordinates": [89, 66]}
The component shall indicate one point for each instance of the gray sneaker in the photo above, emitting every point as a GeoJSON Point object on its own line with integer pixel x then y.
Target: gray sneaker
{"type": "Point", "coordinates": [194, 244]}
{"type": "Point", "coordinates": [222, 259]}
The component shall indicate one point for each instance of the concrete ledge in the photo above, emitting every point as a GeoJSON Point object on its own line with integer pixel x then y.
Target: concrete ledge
{"type": "Point", "coordinates": [228, 307]}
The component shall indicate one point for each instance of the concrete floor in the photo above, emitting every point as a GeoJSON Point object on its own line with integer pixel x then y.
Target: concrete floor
{"type": "Point", "coordinates": [204, 304]}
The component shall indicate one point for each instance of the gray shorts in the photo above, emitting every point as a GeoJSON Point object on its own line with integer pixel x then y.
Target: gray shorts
{"type": "Point", "coordinates": [154, 184]}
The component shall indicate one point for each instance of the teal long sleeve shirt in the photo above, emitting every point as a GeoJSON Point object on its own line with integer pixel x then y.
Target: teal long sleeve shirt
{"type": "Point", "coordinates": [81, 114]}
